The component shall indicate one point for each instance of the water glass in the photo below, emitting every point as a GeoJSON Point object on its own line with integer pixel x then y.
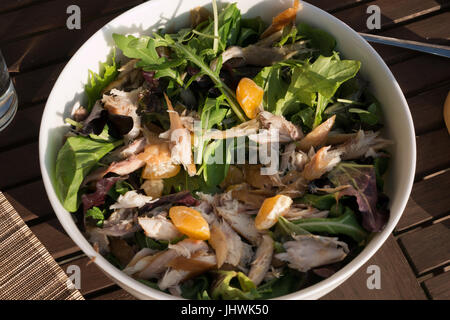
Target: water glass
{"type": "Point", "coordinates": [8, 96]}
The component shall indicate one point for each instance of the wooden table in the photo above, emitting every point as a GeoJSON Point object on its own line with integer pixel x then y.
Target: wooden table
{"type": "Point", "coordinates": [414, 262]}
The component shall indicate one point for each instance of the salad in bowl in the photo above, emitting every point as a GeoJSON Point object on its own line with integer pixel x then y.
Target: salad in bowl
{"type": "Point", "coordinates": [227, 160]}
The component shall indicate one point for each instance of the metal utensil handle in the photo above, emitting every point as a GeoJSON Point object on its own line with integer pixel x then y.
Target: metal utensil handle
{"type": "Point", "coordinates": [443, 51]}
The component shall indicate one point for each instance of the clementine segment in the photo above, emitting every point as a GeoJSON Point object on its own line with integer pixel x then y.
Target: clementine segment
{"type": "Point", "coordinates": [271, 209]}
{"type": "Point", "coordinates": [158, 161]}
{"type": "Point", "coordinates": [249, 95]}
{"type": "Point", "coordinates": [190, 222]}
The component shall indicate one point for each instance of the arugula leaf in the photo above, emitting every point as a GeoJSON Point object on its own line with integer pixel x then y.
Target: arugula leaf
{"type": "Point", "coordinates": [346, 224]}
{"type": "Point", "coordinates": [144, 49]}
{"type": "Point", "coordinates": [320, 39]}
{"type": "Point", "coordinates": [320, 81]}
{"type": "Point", "coordinates": [97, 83]}
{"type": "Point", "coordinates": [361, 180]}
{"type": "Point", "coordinates": [229, 26]}
{"type": "Point", "coordinates": [75, 160]}
{"type": "Point", "coordinates": [371, 116]}
{"type": "Point", "coordinates": [289, 34]}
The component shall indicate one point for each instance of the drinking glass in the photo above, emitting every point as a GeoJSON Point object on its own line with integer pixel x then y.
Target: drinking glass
{"type": "Point", "coordinates": [8, 96]}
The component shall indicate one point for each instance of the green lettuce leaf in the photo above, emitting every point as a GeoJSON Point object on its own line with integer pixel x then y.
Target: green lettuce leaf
{"type": "Point", "coordinates": [346, 224]}
{"type": "Point", "coordinates": [224, 289]}
{"type": "Point", "coordinates": [96, 214]}
{"type": "Point", "coordinates": [320, 39]}
{"type": "Point", "coordinates": [75, 160]}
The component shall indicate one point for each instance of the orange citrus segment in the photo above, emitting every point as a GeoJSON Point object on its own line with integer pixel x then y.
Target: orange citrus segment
{"type": "Point", "coordinates": [190, 222]}
{"type": "Point", "coordinates": [163, 170]}
{"type": "Point", "coordinates": [271, 210]}
{"type": "Point", "coordinates": [249, 95]}
{"type": "Point", "coordinates": [158, 162]}
{"type": "Point", "coordinates": [282, 19]}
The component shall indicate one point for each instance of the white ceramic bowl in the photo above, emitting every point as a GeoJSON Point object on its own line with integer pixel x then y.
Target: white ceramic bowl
{"type": "Point", "coordinates": [155, 14]}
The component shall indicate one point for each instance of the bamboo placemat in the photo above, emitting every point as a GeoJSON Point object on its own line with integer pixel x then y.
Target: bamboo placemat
{"type": "Point", "coordinates": [27, 270]}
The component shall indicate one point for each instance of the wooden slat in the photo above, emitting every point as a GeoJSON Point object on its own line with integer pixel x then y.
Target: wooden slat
{"type": "Point", "coordinates": [40, 49]}
{"type": "Point", "coordinates": [426, 109]}
{"type": "Point", "coordinates": [439, 287]}
{"type": "Point", "coordinates": [30, 201]}
{"type": "Point", "coordinates": [19, 165]}
{"type": "Point", "coordinates": [391, 14]}
{"type": "Point", "coordinates": [429, 199]}
{"type": "Point", "coordinates": [433, 152]}
{"type": "Point", "coordinates": [8, 5]}
{"type": "Point", "coordinates": [35, 86]}
{"type": "Point", "coordinates": [420, 73]}
{"type": "Point", "coordinates": [333, 5]}
{"type": "Point", "coordinates": [428, 248]}
{"type": "Point", "coordinates": [92, 278]}
{"type": "Point", "coordinates": [24, 127]}
{"type": "Point", "coordinates": [54, 238]}
{"type": "Point", "coordinates": [52, 14]}
{"type": "Point", "coordinates": [118, 294]}
{"type": "Point", "coordinates": [433, 30]}
{"type": "Point", "coordinates": [392, 263]}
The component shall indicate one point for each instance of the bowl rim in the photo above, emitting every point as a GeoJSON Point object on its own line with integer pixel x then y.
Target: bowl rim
{"type": "Point", "coordinates": [141, 290]}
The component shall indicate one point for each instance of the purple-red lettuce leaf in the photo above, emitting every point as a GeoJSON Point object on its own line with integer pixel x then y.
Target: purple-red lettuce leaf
{"type": "Point", "coordinates": [361, 182]}
{"type": "Point", "coordinates": [97, 198]}
{"type": "Point", "coordinates": [180, 198]}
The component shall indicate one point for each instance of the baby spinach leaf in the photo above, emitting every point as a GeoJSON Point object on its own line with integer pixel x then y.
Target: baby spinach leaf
{"type": "Point", "coordinates": [151, 284]}
{"type": "Point", "coordinates": [75, 160]}
{"type": "Point", "coordinates": [97, 83]}
{"type": "Point", "coordinates": [145, 242]}
{"type": "Point", "coordinates": [251, 29]}
{"type": "Point", "coordinates": [346, 224]}
{"type": "Point", "coordinates": [288, 282]}
{"type": "Point", "coordinates": [196, 288]}
{"type": "Point", "coordinates": [216, 161]}
{"type": "Point", "coordinates": [274, 86]}
{"type": "Point", "coordinates": [304, 118]}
